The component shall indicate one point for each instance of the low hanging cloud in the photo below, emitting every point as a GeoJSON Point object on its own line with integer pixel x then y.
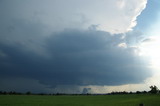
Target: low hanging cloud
{"type": "Point", "coordinates": [88, 57]}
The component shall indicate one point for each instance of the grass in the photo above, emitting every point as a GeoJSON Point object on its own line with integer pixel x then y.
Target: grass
{"type": "Point", "coordinates": [99, 100]}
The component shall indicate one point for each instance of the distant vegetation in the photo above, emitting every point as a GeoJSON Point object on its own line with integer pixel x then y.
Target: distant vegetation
{"type": "Point", "coordinates": [153, 90]}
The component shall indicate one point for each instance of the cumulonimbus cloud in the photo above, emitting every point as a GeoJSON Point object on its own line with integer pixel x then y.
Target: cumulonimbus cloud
{"type": "Point", "coordinates": [114, 16]}
{"type": "Point", "coordinates": [55, 45]}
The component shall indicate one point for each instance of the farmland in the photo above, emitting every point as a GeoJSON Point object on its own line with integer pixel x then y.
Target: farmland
{"type": "Point", "coordinates": [80, 100]}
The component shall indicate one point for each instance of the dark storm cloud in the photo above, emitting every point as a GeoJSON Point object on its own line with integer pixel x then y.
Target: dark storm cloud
{"type": "Point", "coordinates": [88, 57]}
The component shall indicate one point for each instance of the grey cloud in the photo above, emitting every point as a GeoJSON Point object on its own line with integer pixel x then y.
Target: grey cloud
{"type": "Point", "coordinates": [23, 85]}
{"type": "Point", "coordinates": [134, 38]}
{"type": "Point", "coordinates": [89, 57]}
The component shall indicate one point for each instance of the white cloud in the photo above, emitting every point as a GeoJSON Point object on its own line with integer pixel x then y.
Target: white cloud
{"type": "Point", "coordinates": [114, 16]}
{"type": "Point", "coordinates": [122, 45]}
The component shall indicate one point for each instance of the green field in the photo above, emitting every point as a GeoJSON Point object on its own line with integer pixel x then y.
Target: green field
{"type": "Point", "coordinates": [81, 100]}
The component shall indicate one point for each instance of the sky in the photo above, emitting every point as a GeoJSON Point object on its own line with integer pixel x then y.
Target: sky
{"type": "Point", "coordinates": [79, 46]}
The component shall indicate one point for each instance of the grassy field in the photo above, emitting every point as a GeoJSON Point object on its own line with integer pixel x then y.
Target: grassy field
{"type": "Point", "coordinates": [99, 100]}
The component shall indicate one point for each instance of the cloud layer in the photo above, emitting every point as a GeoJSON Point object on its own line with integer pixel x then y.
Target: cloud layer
{"type": "Point", "coordinates": [73, 57]}
{"type": "Point", "coordinates": [61, 42]}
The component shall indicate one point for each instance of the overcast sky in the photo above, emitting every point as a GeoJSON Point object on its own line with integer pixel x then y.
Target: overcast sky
{"type": "Point", "coordinates": [78, 46]}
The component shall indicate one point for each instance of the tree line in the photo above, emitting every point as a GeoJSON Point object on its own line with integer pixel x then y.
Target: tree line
{"type": "Point", "coordinates": [153, 90]}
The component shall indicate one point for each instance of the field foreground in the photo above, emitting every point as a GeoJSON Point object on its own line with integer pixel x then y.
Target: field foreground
{"type": "Point", "coordinates": [80, 100]}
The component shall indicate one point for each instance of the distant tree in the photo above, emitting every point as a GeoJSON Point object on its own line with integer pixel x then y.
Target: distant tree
{"type": "Point", "coordinates": [138, 92]}
{"type": "Point", "coordinates": [58, 93]}
{"type": "Point", "coordinates": [28, 93]}
{"type": "Point", "coordinates": [4, 93]}
{"type": "Point", "coordinates": [130, 92]}
{"type": "Point", "coordinates": [154, 89]}
{"type": "Point", "coordinates": [10, 92]}
{"type": "Point", "coordinates": [144, 92]}
{"type": "Point", "coordinates": [124, 92]}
